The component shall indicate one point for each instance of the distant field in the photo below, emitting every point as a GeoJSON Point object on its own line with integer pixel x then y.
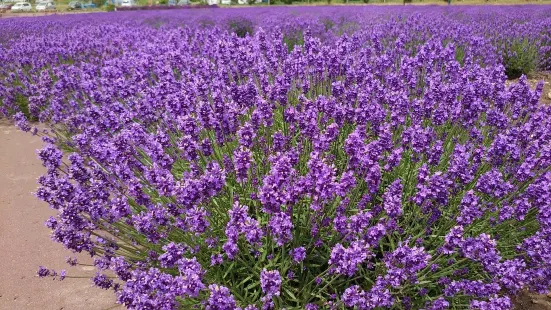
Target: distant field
{"type": "Point", "coordinates": [62, 5]}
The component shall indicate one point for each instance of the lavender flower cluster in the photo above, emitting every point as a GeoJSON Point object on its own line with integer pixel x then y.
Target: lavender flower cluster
{"type": "Point", "coordinates": [329, 159]}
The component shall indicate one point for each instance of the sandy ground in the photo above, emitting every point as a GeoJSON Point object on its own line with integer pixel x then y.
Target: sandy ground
{"type": "Point", "coordinates": [24, 240]}
{"type": "Point", "coordinates": [527, 301]}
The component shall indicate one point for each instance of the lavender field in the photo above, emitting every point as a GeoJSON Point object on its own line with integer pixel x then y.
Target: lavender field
{"type": "Point", "coordinates": [293, 158]}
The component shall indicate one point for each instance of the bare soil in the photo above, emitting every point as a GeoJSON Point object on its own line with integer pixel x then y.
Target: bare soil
{"type": "Point", "coordinates": [24, 240]}
{"type": "Point", "coordinates": [527, 301]}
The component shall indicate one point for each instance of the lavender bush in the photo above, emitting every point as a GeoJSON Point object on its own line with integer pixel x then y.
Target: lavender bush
{"type": "Point", "coordinates": [378, 162]}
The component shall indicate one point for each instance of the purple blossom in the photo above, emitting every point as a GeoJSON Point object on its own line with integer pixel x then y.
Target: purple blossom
{"type": "Point", "coordinates": [43, 272]}
{"type": "Point", "coordinates": [172, 253]}
{"type": "Point", "coordinates": [102, 281]}
{"type": "Point", "coordinates": [377, 296]}
{"type": "Point", "coordinates": [404, 263]}
{"type": "Point", "coordinates": [121, 268]}
{"type": "Point", "coordinates": [438, 304]}
{"type": "Point", "coordinates": [242, 163]}
{"type": "Point", "coordinates": [469, 208]}
{"type": "Point", "coordinates": [392, 199]}
{"type": "Point", "coordinates": [471, 288]}
{"type": "Point", "coordinates": [220, 298]}
{"type": "Point", "coordinates": [492, 183]}
{"type": "Point", "coordinates": [150, 288]}
{"type": "Point", "coordinates": [298, 254]}
{"type": "Point", "coordinates": [493, 303]}
{"type": "Point", "coordinates": [482, 249]}
{"type": "Point", "coordinates": [311, 307]}
{"type": "Point", "coordinates": [281, 228]}
{"type": "Point", "coordinates": [216, 259]}
{"type": "Point", "coordinates": [270, 281]}
{"type": "Point", "coordinates": [62, 274]}
{"type": "Point", "coordinates": [21, 122]}
{"type": "Point", "coordinates": [190, 279]}
{"type": "Point", "coordinates": [51, 157]}
{"type": "Point", "coordinates": [196, 220]}
{"type": "Point", "coordinates": [346, 260]}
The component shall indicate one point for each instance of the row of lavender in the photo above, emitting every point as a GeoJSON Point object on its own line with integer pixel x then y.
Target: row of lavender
{"type": "Point", "coordinates": [292, 158]}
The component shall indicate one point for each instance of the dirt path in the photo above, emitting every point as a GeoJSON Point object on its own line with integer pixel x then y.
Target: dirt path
{"type": "Point", "coordinates": [25, 242]}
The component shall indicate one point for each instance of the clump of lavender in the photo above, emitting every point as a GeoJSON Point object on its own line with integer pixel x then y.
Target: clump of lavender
{"type": "Point", "coordinates": [365, 170]}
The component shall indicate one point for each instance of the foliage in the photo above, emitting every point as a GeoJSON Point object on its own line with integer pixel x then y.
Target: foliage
{"type": "Point", "coordinates": [520, 58]}
{"type": "Point", "coordinates": [293, 38]}
{"type": "Point", "coordinates": [241, 26]}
